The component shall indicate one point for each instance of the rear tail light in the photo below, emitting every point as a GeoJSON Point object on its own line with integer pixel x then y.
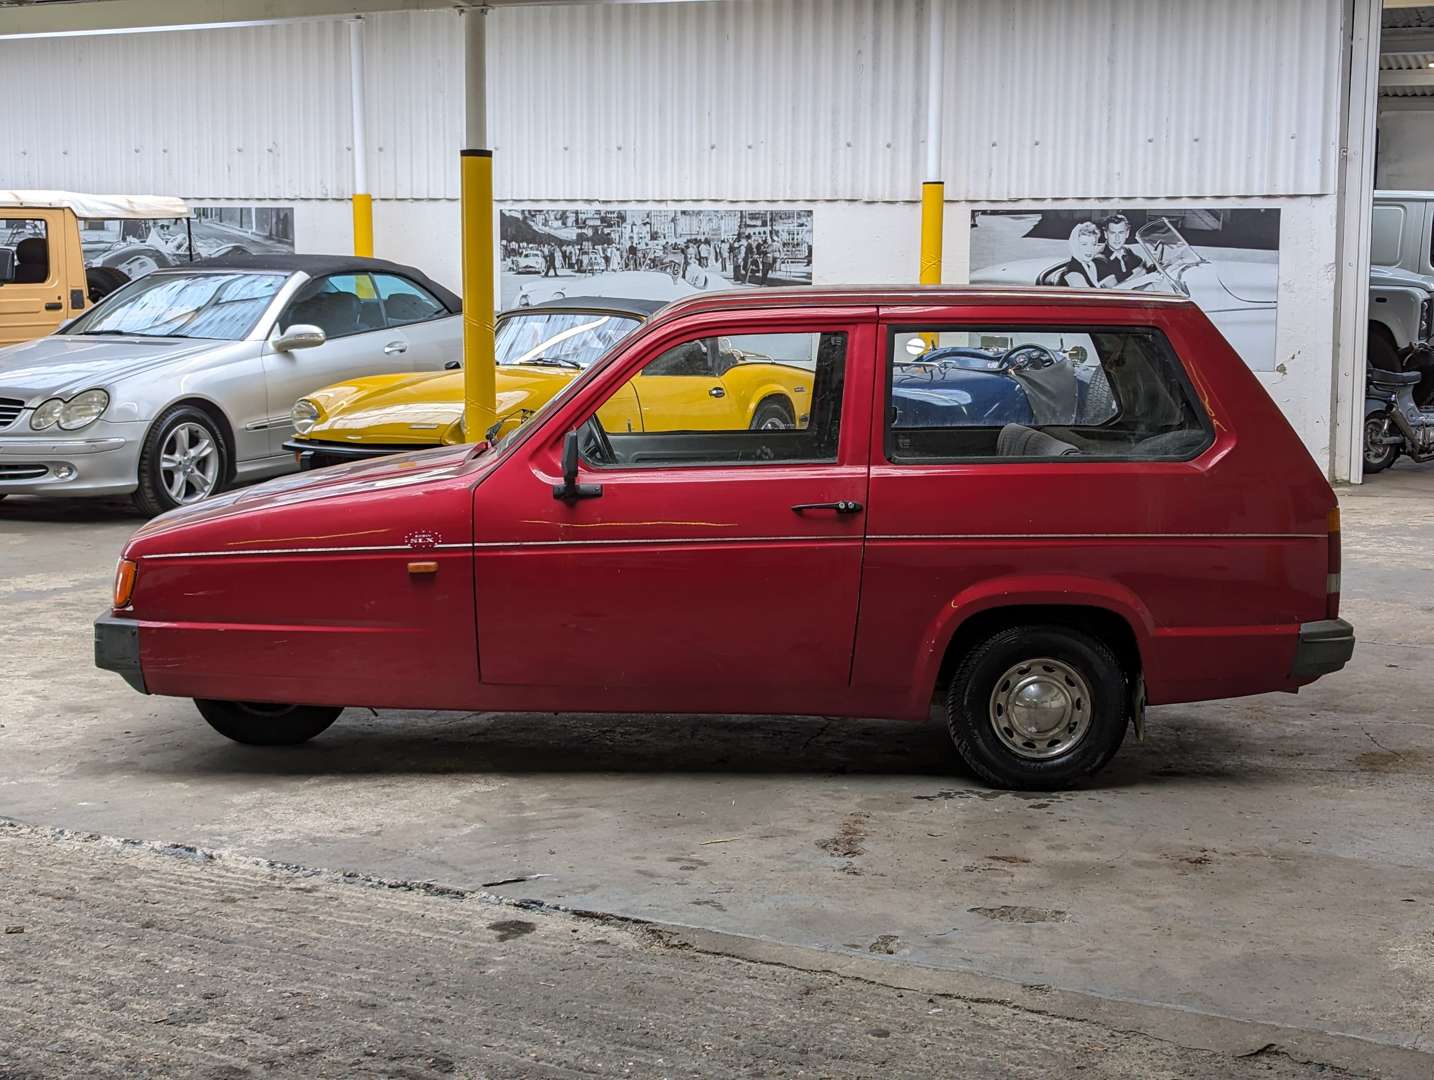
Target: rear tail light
{"type": "Point", "coordinates": [124, 583]}
{"type": "Point", "coordinates": [1332, 582]}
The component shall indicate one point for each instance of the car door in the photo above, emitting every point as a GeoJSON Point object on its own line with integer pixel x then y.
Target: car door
{"type": "Point", "coordinates": [717, 570]}
{"type": "Point", "coordinates": [358, 342]}
{"type": "Point", "coordinates": [434, 334]}
{"type": "Point", "coordinates": [32, 294]}
{"type": "Point", "coordinates": [682, 390]}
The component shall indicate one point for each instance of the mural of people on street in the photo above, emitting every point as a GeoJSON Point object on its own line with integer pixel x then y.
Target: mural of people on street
{"type": "Point", "coordinates": [657, 254]}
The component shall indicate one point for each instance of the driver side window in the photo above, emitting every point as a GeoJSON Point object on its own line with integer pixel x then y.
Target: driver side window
{"type": "Point", "coordinates": [772, 398]}
{"type": "Point", "coordinates": [339, 305]}
{"type": "Point", "coordinates": [1039, 393]}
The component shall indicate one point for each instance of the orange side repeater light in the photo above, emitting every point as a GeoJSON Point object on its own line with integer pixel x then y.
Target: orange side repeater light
{"type": "Point", "coordinates": [124, 583]}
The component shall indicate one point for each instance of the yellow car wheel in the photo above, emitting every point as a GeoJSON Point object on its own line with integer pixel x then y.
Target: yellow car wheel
{"type": "Point", "coordinates": [773, 414]}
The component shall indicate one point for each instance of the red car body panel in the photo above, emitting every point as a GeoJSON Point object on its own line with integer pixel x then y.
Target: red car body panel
{"type": "Point", "coordinates": [697, 589]}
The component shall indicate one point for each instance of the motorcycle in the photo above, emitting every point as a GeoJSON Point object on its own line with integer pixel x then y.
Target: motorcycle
{"type": "Point", "coordinates": [1395, 421]}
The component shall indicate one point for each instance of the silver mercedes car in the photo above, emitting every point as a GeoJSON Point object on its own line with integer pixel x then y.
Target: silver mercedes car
{"type": "Point", "coordinates": [181, 382]}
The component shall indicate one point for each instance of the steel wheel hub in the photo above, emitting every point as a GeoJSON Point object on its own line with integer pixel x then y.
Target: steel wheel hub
{"type": "Point", "coordinates": [1040, 708]}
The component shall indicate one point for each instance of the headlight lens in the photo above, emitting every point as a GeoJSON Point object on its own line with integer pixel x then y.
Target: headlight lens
{"type": "Point", "coordinates": [47, 415]}
{"type": "Point", "coordinates": [304, 414]}
{"type": "Point", "coordinates": [83, 409]}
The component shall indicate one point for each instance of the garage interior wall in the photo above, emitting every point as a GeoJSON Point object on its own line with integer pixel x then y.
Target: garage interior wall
{"type": "Point", "coordinates": [807, 103]}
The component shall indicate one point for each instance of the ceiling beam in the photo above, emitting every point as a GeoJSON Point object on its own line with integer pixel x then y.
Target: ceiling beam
{"type": "Point", "coordinates": [1424, 77]}
{"type": "Point", "coordinates": [1406, 41]}
{"type": "Point", "coordinates": [25, 18]}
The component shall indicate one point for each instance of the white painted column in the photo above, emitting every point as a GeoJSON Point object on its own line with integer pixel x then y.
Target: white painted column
{"type": "Point", "coordinates": [1359, 104]}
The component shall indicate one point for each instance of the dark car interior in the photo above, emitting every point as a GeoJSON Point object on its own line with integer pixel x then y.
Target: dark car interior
{"type": "Point", "coordinates": [1154, 416]}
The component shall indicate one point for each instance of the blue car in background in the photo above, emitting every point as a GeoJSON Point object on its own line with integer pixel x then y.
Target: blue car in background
{"type": "Point", "coordinates": [1030, 384]}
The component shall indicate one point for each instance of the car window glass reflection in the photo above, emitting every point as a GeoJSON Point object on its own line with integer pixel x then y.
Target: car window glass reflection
{"type": "Point", "coordinates": [568, 339]}
{"type": "Point", "coordinates": [217, 306]}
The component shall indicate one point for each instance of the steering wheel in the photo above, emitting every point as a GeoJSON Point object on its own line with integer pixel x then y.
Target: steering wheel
{"type": "Point", "coordinates": [1027, 356]}
{"type": "Point", "coordinates": [594, 445]}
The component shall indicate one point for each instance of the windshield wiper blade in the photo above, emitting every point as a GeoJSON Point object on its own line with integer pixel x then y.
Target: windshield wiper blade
{"type": "Point", "coordinates": [553, 361]}
{"type": "Point", "coordinates": [119, 333]}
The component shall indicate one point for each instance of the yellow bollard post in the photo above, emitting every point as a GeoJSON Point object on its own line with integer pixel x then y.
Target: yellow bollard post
{"type": "Point", "coordinates": [933, 223]}
{"type": "Point", "coordinates": [363, 224]}
{"type": "Point", "coordinates": [480, 391]}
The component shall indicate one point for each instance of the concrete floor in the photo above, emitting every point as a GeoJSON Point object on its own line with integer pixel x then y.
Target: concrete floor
{"type": "Point", "coordinates": [1266, 859]}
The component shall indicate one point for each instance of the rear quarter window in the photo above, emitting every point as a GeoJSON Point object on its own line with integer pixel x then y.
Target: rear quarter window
{"type": "Point", "coordinates": [1008, 393]}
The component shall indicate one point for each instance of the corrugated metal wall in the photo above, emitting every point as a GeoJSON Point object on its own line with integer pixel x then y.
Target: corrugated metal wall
{"type": "Point", "coordinates": [727, 100]}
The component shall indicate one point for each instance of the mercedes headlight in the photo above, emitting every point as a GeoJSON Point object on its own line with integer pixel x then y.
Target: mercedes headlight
{"type": "Point", "coordinates": [304, 414]}
{"type": "Point", "coordinates": [47, 415]}
{"type": "Point", "coordinates": [82, 410]}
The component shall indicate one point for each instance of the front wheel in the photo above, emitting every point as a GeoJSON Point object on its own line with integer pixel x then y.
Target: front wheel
{"type": "Point", "coordinates": [1378, 455]}
{"type": "Point", "coordinates": [1038, 707]}
{"type": "Point", "coordinates": [184, 460]}
{"type": "Point", "coordinates": [260, 724]}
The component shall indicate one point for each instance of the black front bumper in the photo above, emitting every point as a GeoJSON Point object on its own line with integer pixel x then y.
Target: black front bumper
{"type": "Point", "coordinates": [117, 649]}
{"type": "Point", "coordinates": [1324, 647]}
{"type": "Point", "coordinates": [319, 455]}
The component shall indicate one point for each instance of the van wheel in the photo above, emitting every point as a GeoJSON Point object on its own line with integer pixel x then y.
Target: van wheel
{"type": "Point", "coordinates": [1382, 353]}
{"type": "Point", "coordinates": [260, 724]}
{"type": "Point", "coordinates": [773, 415]}
{"type": "Point", "coordinates": [100, 281]}
{"type": "Point", "coordinates": [183, 461]}
{"type": "Point", "coordinates": [1038, 707]}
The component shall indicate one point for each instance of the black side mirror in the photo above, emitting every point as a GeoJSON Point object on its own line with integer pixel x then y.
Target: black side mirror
{"type": "Point", "coordinates": [570, 491]}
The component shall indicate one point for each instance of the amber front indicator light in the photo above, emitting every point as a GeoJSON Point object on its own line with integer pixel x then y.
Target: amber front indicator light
{"type": "Point", "coordinates": [1332, 582]}
{"type": "Point", "coordinates": [124, 583]}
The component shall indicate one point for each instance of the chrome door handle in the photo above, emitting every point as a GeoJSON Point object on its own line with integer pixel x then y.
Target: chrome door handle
{"type": "Point", "coordinates": [395, 347]}
{"type": "Point", "coordinates": [845, 506]}
{"type": "Point", "coordinates": [716, 391]}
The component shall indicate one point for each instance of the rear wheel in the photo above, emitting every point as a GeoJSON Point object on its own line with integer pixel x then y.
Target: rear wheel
{"type": "Point", "coordinates": [1378, 455]}
{"type": "Point", "coordinates": [100, 281]}
{"type": "Point", "coordinates": [773, 415]}
{"type": "Point", "coordinates": [261, 724]}
{"type": "Point", "coordinates": [1038, 707]}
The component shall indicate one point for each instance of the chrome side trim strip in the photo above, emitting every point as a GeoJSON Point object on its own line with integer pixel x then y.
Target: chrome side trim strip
{"type": "Point", "coordinates": [1100, 536]}
{"type": "Point", "coordinates": [690, 540]}
{"type": "Point", "coordinates": [267, 423]}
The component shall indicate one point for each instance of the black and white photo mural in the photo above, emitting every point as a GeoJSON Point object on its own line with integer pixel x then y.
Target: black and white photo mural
{"type": "Point", "coordinates": [1226, 260]}
{"type": "Point", "coordinates": [648, 253]}
{"type": "Point", "coordinates": [136, 246]}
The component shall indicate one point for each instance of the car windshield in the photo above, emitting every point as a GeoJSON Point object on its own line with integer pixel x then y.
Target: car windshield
{"type": "Point", "coordinates": [571, 339]}
{"type": "Point", "coordinates": [221, 306]}
{"type": "Point", "coordinates": [1167, 249]}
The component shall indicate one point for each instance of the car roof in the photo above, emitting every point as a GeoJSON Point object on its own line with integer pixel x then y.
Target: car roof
{"type": "Point", "coordinates": [161, 207]}
{"type": "Point", "coordinates": [619, 305]}
{"type": "Point", "coordinates": [881, 296]}
{"type": "Point", "coordinates": [287, 262]}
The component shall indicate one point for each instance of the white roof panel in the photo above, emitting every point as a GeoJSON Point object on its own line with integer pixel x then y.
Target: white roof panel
{"type": "Point", "coordinates": [100, 206]}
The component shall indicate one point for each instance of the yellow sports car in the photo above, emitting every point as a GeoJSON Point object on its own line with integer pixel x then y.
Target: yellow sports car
{"type": "Point", "coordinates": [712, 384]}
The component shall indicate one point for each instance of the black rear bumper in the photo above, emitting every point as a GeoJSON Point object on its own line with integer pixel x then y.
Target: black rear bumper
{"type": "Point", "coordinates": [1324, 647]}
{"type": "Point", "coordinates": [117, 649]}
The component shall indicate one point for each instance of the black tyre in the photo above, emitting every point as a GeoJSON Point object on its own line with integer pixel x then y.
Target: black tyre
{"type": "Point", "coordinates": [1382, 353]}
{"type": "Point", "coordinates": [260, 724]}
{"type": "Point", "coordinates": [1038, 707]}
{"type": "Point", "coordinates": [1378, 456]}
{"type": "Point", "coordinates": [100, 281]}
{"type": "Point", "coordinates": [773, 414]}
{"type": "Point", "coordinates": [184, 461]}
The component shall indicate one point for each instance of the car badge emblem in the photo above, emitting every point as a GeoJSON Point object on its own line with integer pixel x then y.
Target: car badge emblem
{"type": "Point", "coordinates": [422, 540]}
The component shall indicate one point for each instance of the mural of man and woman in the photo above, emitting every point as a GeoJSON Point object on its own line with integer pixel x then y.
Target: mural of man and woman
{"type": "Point", "coordinates": [1101, 258]}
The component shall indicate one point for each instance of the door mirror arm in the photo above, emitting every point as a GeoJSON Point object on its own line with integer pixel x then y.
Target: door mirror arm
{"type": "Point", "coordinates": [570, 491]}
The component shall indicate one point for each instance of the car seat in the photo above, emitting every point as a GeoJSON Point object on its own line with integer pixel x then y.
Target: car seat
{"type": "Point", "coordinates": [1017, 440]}
{"type": "Point", "coordinates": [32, 261]}
{"type": "Point", "coordinates": [406, 308]}
{"type": "Point", "coordinates": [335, 313]}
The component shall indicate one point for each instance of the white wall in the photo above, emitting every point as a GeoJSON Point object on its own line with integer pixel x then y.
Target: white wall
{"type": "Point", "coordinates": [1406, 145]}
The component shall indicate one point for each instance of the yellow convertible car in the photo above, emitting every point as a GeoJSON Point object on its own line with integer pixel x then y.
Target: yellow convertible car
{"type": "Point", "coordinates": [721, 383]}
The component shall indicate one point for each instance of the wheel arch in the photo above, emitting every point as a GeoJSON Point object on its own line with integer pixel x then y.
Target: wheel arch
{"type": "Point", "coordinates": [215, 412]}
{"type": "Point", "coordinates": [1099, 608]}
{"type": "Point", "coordinates": [778, 394]}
